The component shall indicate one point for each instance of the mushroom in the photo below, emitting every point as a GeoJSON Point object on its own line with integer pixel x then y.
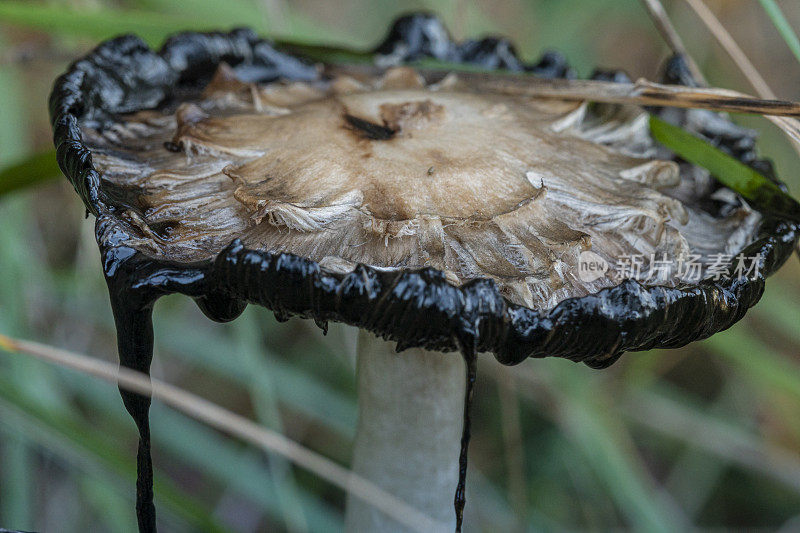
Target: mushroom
{"type": "Point", "coordinates": [429, 212]}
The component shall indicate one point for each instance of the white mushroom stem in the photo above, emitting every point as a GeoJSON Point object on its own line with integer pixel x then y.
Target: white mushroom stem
{"type": "Point", "coordinates": [411, 407]}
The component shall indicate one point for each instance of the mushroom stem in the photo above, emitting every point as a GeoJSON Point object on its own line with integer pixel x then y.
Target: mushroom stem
{"type": "Point", "coordinates": [411, 410]}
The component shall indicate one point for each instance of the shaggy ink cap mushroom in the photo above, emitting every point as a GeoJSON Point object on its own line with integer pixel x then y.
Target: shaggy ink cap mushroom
{"type": "Point", "coordinates": [426, 211]}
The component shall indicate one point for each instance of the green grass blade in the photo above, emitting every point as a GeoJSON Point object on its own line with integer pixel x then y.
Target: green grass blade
{"type": "Point", "coordinates": [229, 12]}
{"type": "Point", "coordinates": [221, 460]}
{"type": "Point", "coordinates": [17, 464]}
{"type": "Point", "coordinates": [238, 468]}
{"type": "Point", "coordinates": [263, 396]}
{"type": "Point", "coordinates": [101, 23]}
{"type": "Point", "coordinates": [323, 53]}
{"type": "Point", "coordinates": [81, 444]}
{"type": "Point", "coordinates": [300, 391]}
{"type": "Point", "coordinates": [782, 25]}
{"type": "Point", "coordinates": [152, 26]}
{"type": "Point", "coordinates": [593, 433]}
{"type": "Point", "coordinates": [106, 503]}
{"type": "Point", "coordinates": [757, 362]}
{"type": "Point", "coordinates": [32, 170]}
{"type": "Point", "coordinates": [15, 125]}
{"type": "Point", "coordinates": [778, 311]}
{"type": "Point", "coordinates": [602, 441]}
{"type": "Point", "coordinates": [670, 412]}
{"type": "Point", "coordinates": [762, 194]}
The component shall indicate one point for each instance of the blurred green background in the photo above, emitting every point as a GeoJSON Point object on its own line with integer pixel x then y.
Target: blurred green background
{"type": "Point", "coordinates": [703, 437]}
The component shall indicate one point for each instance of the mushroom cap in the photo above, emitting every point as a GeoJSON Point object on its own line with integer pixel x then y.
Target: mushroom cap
{"type": "Point", "coordinates": [423, 210]}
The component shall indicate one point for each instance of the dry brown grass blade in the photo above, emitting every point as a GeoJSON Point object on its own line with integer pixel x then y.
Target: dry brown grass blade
{"type": "Point", "coordinates": [670, 35]}
{"type": "Point", "coordinates": [729, 44]}
{"type": "Point", "coordinates": [776, 462]}
{"type": "Point", "coordinates": [790, 127]}
{"type": "Point", "coordinates": [642, 92]}
{"type": "Point", "coordinates": [234, 425]}
{"type": "Point", "coordinates": [513, 444]}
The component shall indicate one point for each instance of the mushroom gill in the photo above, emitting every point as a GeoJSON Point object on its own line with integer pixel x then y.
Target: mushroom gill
{"type": "Point", "coordinates": [395, 172]}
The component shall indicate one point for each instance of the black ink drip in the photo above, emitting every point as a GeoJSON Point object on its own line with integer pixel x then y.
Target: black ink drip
{"type": "Point", "coordinates": [460, 500]}
{"type": "Point", "coordinates": [135, 345]}
{"type": "Point", "coordinates": [134, 284]}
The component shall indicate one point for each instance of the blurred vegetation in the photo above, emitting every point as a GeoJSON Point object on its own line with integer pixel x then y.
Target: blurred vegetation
{"type": "Point", "coordinates": [707, 436]}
